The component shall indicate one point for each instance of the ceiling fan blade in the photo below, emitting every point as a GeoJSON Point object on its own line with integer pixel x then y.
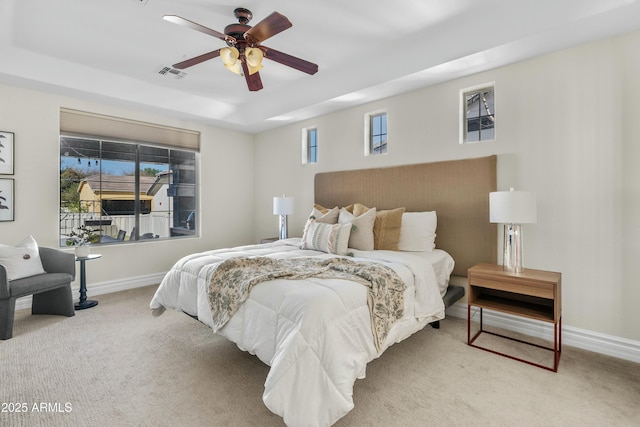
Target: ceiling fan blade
{"type": "Point", "coordinates": [197, 59]}
{"type": "Point", "coordinates": [194, 26]}
{"type": "Point", "coordinates": [268, 27]}
{"type": "Point", "coordinates": [254, 82]}
{"type": "Point", "coordinates": [290, 60]}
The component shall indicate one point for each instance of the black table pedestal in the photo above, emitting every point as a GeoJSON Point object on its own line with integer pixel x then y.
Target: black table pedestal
{"type": "Point", "coordinates": [84, 303]}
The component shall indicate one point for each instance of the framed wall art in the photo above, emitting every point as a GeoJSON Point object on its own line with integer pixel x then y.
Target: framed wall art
{"type": "Point", "coordinates": [7, 199]}
{"type": "Point", "coordinates": [6, 153]}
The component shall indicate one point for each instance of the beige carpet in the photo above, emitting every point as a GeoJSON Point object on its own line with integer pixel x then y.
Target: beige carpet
{"type": "Point", "coordinates": [116, 365]}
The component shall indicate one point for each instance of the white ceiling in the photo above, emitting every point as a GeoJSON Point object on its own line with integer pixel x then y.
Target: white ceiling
{"type": "Point", "coordinates": [112, 51]}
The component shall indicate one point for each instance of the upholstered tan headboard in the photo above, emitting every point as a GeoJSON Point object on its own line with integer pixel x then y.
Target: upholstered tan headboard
{"type": "Point", "coordinates": [458, 190]}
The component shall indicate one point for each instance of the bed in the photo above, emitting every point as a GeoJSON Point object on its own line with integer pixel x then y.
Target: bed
{"type": "Point", "coordinates": [318, 332]}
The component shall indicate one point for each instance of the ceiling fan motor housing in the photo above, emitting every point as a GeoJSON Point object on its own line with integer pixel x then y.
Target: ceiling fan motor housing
{"type": "Point", "coordinates": [236, 30]}
{"type": "Point", "coordinates": [243, 15]}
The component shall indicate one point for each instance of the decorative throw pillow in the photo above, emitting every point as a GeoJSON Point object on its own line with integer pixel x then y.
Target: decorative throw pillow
{"type": "Point", "coordinates": [324, 215]}
{"type": "Point", "coordinates": [21, 261]}
{"type": "Point", "coordinates": [362, 230]}
{"type": "Point", "coordinates": [329, 238]}
{"type": "Point", "coordinates": [386, 229]}
{"type": "Point", "coordinates": [418, 232]}
{"type": "Point", "coordinates": [320, 208]}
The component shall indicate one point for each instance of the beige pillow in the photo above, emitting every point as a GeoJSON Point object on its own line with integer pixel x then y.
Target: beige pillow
{"type": "Point", "coordinates": [321, 208]}
{"type": "Point", "coordinates": [324, 215]}
{"type": "Point", "coordinates": [386, 229]}
{"type": "Point", "coordinates": [325, 210]}
{"type": "Point", "coordinates": [362, 231]}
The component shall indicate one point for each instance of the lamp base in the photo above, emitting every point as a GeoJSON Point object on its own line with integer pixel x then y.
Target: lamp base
{"type": "Point", "coordinates": [512, 256]}
{"type": "Point", "coordinates": [283, 227]}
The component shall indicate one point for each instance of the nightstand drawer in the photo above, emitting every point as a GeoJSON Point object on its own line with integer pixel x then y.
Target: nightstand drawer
{"type": "Point", "coordinates": [515, 285]}
{"type": "Point", "coordinates": [513, 303]}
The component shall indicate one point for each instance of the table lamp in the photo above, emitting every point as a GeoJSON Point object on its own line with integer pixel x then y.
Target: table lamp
{"type": "Point", "coordinates": [512, 208]}
{"type": "Point", "coordinates": [283, 206]}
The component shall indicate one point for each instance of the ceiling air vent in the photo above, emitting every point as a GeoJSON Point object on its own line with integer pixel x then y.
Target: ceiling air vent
{"type": "Point", "coordinates": [170, 71]}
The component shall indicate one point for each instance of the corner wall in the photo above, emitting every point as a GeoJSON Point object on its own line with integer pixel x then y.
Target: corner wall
{"type": "Point", "coordinates": [225, 180]}
{"type": "Point", "coordinates": [566, 126]}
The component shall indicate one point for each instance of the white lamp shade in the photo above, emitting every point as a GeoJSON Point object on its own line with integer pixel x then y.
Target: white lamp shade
{"type": "Point", "coordinates": [512, 207]}
{"type": "Point", "coordinates": [283, 205]}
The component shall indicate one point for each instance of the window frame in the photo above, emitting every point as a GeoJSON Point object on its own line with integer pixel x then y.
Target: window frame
{"type": "Point", "coordinates": [464, 120]}
{"type": "Point", "coordinates": [307, 149]}
{"type": "Point", "coordinates": [369, 134]}
{"type": "Point", "coordinates": [176, 156]}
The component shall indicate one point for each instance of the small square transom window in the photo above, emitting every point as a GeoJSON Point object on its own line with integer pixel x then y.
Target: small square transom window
{"type": "Point", "coordinates": [376, 133]}
{"type": "Point", "coordinates": [478, 116]}
{"type": "Point", "coordinates": [310, 145]}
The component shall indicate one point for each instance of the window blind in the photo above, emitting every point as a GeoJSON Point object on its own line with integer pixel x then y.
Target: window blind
{"type": "Point", "coordinates": [75, 122]}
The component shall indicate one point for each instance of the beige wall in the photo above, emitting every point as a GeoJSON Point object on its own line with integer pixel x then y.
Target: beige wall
{"type": "Point", "coordinates": [565, 129]}
{"type": "Point", "coordinates": [226, 185]}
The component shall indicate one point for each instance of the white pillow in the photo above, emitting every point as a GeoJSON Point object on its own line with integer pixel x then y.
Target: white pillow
{"type": "Point", "coordinates": [21, 261]}
{"type": "Point", "coordinates": [329, 238]}
{"type": "Point", "coordinates": [362, 230]}
{"type": "Point", "coordinates": [418, 232]}
{"type": "Point", "coordinates": [330, 217]}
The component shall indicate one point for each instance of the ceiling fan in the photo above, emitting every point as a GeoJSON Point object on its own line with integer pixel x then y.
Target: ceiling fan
{"type": "Point", "coordinates": [244, 52]}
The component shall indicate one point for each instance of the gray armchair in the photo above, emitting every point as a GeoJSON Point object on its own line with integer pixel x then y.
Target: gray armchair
{"type": "Point", "coordinates": [51, 291]}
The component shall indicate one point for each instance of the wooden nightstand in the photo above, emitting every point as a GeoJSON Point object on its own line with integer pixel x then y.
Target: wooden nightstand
{"type": "Point", "coordinates": [535, 294]}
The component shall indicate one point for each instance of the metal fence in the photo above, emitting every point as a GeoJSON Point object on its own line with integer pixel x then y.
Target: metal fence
{"type": "Point", "coordinates": [156, 223]}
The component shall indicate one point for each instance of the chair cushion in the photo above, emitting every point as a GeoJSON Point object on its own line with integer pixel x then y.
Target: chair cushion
{"type": "Point", "coordinates": [39, 283]}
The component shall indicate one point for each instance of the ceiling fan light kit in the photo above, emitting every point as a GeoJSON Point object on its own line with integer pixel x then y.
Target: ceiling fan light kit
{"type": "Point", "coordinates": [244, 52]}
{"type": "Point", "coordinates": [254, 56]}
{"type": "Point", "coordinates": [229, 56]}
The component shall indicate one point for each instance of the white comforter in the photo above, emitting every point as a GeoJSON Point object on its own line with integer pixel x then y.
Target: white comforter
{"type": "Point", "coordinates": [315, 334]}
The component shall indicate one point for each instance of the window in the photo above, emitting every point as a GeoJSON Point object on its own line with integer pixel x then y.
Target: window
{"type": "Point", "coordinates": [376, 133]}
{"type": "Point", "coordinates": [126, 188]}
{"type": "Point", "coordinates": [309, 145]}
{"type": "Point", "coordinates": [478, 114]}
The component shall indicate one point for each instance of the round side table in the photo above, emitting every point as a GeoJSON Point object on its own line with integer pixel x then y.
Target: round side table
{"type": "Point", "coordinates": [84, 302]}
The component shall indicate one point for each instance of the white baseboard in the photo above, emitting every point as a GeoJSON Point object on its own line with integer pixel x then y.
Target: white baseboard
{"type": "Point", "coordinates": [587, 340]}
{"type": "Point", "coordinates": [593, 341]}
{"type": "Point", "coordinates": [102, 288]}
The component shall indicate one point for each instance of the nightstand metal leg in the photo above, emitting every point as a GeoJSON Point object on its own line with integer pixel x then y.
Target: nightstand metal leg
{"type": "Point", "coordinates": [557, 342]}
{"type": "Point", "coordinates": [470, 340]}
